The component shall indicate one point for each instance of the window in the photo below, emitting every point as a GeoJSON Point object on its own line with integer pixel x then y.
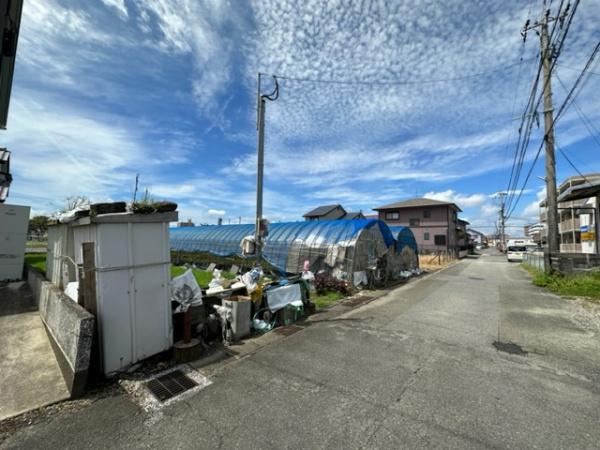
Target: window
{"type": "Point", "coordinates": [426, 236]}
{"type": "Point", "coordinates": [440, 239]}
{"type": "Point", "coordinates": [392, 215]}
{"type": "Point", "coordinates": [426, 214]}
{"type": "Point", "coordinates": [414, 222]}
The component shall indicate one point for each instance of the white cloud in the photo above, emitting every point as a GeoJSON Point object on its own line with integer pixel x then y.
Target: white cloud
{"type": "Point", "coordinates": [119, 6]}
{"type": "Point", "coordinates": [216, 212]}
{"type": "Point", "coordinates": [61, 151]}
{"type": "Point", "coordinates": [55, 40]}
{"type": "Point", "coordinates": [462, 200]}
{"type": "Point", "coordinates": [531, 211]}
{"type": "Point", "coordinates": [207, 30]}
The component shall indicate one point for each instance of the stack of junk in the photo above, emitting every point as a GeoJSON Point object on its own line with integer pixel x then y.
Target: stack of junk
{"type": "Point", "coordinates": [116, 264]}
{"type": "Point", "coordinates": [361, 253]}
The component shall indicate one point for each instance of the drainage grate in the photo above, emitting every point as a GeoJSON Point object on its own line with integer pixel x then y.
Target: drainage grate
{"type": "Point", "coordinates": [169, 385]}
{"type": "Point", "coordinates": [287, 330]}
{"type": "Point", "coordinates": [509, 347]}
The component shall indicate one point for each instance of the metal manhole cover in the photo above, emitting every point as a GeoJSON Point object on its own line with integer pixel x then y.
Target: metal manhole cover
{"type": "Point", "coordinates": [287, 330]}
{"type": "Point", "coordinates": [509, 347]}
{"type": "Point", "coordinates": [169, 385]}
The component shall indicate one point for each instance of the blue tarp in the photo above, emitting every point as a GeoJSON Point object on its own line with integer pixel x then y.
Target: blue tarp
{"type": "Point", "coordinates": [404, 237]}
{"type": "Point", "coordinates": [225, 240]}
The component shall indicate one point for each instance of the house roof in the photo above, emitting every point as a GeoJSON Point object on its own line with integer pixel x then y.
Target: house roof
{"type": "Point", "coordinates": [322, 210]}
{"type": "Point", "coordinates": [464, 221]}
{"type": "Point", "coordinates": [354, 215]}
{"type": "Point", "coordinates": [471, 230]}
{"type": "Point", "coordinates": [415, 203]}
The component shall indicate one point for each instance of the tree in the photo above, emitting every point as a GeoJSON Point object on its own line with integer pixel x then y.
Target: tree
{"type": "Point", "coordinates": [38, 226]}
{"type": "Point", "coordinates": [73, 202]}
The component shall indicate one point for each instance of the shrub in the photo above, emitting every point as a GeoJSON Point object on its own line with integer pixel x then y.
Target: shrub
{"type": "Point", "coordinates": [326, 283]}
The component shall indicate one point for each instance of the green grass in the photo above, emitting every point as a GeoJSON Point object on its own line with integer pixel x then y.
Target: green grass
{"type": "Point", "coordinates": [581, 285]}
{"type": "Point", "coordinates": [326, 299]}
{"type": "Point", "coordinates": [36, 244]}
{"type": "Point", "coordinates": [203, 277]}
{"type": "Point", "coordinates": [37, 261]}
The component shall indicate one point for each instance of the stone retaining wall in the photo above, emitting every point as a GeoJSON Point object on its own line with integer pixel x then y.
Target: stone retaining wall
{"type": "Point", "coordinates": [69, 327]}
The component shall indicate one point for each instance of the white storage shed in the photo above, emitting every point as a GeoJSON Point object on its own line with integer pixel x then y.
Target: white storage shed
{"type": "Point", "coordinates": [13, 236]}
{"type": "Point", "coordinates": [132, 266]}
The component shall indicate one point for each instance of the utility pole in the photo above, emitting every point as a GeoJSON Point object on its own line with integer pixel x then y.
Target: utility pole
{"type": "Point", "coordinates": [259, 230]}
{"type": "Point", "coordinates": [551, 204]}
{"type": "Point", "coordinates": [548, 57]}
{"type": "Point", "coordinates": [502, 195]}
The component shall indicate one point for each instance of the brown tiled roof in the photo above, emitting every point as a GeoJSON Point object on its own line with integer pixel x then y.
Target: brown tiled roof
{"type": "Point", "coordinates": [415, 202]}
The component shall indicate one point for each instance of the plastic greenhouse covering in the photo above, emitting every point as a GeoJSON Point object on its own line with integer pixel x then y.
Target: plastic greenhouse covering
{"type": "Point", "coordinates": [404, 237]}
{"type": "Point", "coordinates": [335, 245]}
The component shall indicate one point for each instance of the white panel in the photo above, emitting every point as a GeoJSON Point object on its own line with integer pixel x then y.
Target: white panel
{"type": "Point", "coordinates": [81, 235]}
{"type": "Point", "coordinates": [13, 218]}
{"type": "Point", "coordinates": [115, 319]}
{"type": "Point", "coordinates": [147, 243]}
{"type": "Point", "coordinates": [13, 234]}
{"type": "Point", "coordinates": [12, 248]}
{"type": "Point", "coordinates": [113, 245]}
{"type": "Point", "coordinates": [150, 308]}
{"type": "Point", "coordinates": [57, 247]}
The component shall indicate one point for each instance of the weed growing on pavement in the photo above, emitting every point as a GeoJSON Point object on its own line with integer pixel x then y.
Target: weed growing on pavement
{"type": "Point", "coordinates": [581, 285]}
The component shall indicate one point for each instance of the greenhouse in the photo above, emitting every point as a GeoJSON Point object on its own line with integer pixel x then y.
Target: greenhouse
{"type": "Point", "coordinates": [340, 247]}
{"type": "Point", "coordinates": [406, 247]}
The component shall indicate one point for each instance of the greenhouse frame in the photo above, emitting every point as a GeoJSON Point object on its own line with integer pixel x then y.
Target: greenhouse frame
{"type": "Point", "coordinates": [340, 247]}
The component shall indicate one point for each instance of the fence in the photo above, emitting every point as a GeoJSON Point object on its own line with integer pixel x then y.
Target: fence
{"type": "Point", "coordinates": [439, 258]}
{"type": "Point", "coordinates": [535, 260]}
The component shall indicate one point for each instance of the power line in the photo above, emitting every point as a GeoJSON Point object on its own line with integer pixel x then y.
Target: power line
{"type": "Point", "coordinates": [561, 110]}
{"type": "Point", "coordinates": [591, 72]}
{"type": "Point", "coordinates": [521, 151]}
{"type": "Point", "coordinates": [586, 120]}
{"type": "Point", "coordinates": [571, 163]}
{"type": "Point", "coordinates": [396, 82]}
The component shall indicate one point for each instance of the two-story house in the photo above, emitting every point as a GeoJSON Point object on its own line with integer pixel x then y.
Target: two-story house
{"type": "Point", "coordinates": [434, 223]}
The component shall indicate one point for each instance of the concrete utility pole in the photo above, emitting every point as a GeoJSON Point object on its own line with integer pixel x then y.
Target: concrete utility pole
{"type": "Point", "coordinates": [551, 204]}
{"type": "Point", "coordinates": [502, 195]}
{"type": "Point", "coordinates": [259, 230]}
{"type": "Point", "coordinates": [548, 57]}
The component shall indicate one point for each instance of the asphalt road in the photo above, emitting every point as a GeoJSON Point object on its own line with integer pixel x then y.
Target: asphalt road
{"type": "Point", "coordinates": [414, 369]}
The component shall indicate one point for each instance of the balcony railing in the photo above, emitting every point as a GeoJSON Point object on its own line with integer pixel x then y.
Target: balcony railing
{"type": "Point", "coordinates": [568, 225]}
{"type": "Point", "coordinates": [570, 248]}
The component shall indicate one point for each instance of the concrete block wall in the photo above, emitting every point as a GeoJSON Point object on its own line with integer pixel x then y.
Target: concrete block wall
{"type": "Point", "coordinates": [571, 263]}
{"type": "Point", "coordinates": [70, 329]}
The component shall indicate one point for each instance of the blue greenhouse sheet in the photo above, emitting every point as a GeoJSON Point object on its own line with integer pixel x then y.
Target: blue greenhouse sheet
{"type": "Point", "coordinates": [404, 237]}
{"type": "Point", "coordinates": [225, 240]}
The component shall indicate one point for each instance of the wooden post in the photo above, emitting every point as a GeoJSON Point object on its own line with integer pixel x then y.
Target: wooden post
{"type": "Point", "coordinates": [89, 278]}
{"type": "Point", "coordinates": [187, 326]}
{"type": "Point", "coordinates": [87, 285]}
{"type": "Point", "coordinates": [80, 296]}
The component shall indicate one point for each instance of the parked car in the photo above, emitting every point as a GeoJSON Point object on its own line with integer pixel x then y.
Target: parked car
{"type": "Point", "coordinates": [515, 249]}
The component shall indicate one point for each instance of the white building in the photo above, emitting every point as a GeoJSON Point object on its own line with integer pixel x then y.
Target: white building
{"type": "Point", "coordinates": [578, 201]}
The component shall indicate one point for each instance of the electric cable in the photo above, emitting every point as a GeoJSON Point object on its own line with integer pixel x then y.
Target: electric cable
{"type": "Point", "coordinates": [561, 110]}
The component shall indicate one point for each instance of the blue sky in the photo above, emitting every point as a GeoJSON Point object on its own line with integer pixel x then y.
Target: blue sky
{"type": "Point", "coordinates": [105, 89]}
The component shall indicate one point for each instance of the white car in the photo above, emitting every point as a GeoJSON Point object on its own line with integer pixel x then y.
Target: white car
{"type": "Point", "coordinates": [515, 252]}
